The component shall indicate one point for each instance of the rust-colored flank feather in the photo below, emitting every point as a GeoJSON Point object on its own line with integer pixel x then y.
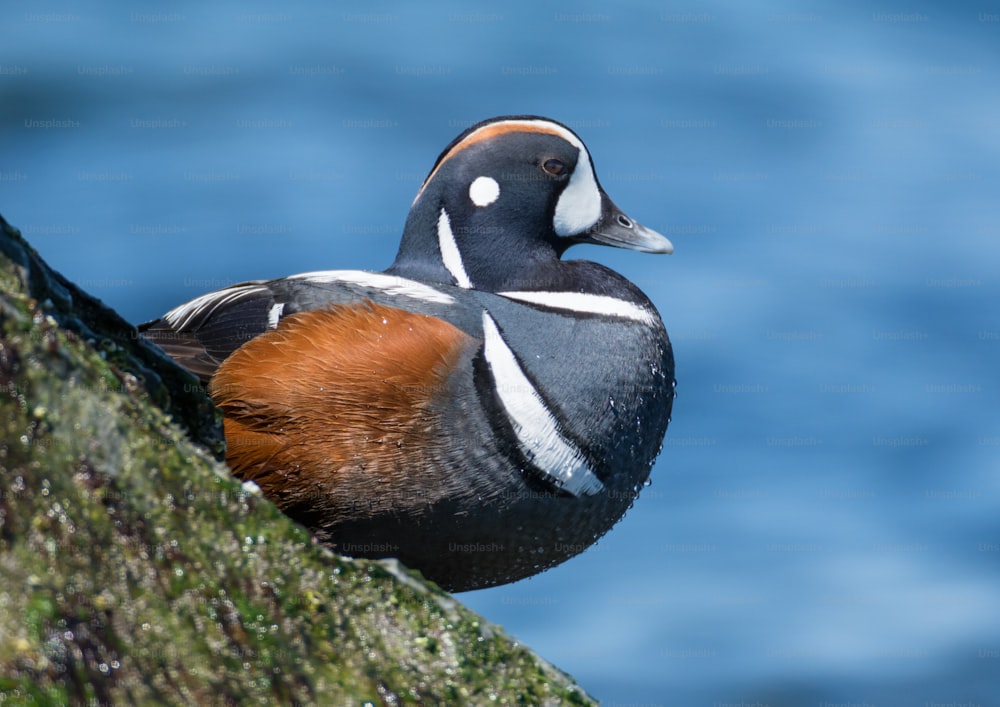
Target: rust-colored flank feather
{"type": "Point", "coordinates": [368, 376]}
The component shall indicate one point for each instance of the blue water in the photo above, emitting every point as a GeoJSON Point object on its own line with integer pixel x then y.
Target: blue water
{"type": "Point", "coordinates": [824, 521]}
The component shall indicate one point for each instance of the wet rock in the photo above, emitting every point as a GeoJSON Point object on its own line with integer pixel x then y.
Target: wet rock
{"type": "Point", "coordinates": [134, 569]}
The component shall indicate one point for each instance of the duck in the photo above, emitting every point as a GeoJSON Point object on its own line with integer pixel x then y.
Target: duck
{"type": "Point", "coordinates": [483, 409]}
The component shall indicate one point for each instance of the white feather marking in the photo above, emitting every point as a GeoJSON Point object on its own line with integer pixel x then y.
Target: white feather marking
{"type": "Point", "coordinates": [579, 206]}
{"type": "Point", "coordinates": [179, 317]}
{"type": "Point", "coordinates": [449, 251]}
{"type": "Point", "coordinates": [545, 126]}
{"type": "Point", "coordinates": [536, 429]}
{"type": "Point", "coordinates": [390, 284]}
{"type": "Point", "coordinates": [274, 314]}
{"type": "Point", "coordinates": [585, 303]}
{"type": "Point", "coordinates": [484, 191]}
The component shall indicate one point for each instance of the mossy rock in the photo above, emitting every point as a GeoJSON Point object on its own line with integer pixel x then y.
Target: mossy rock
{"type": "Point", "coordinates": [135, 570]}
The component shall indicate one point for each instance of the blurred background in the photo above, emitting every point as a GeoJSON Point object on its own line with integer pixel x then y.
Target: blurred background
{"type": "Point", "coordinates": [823, 524]}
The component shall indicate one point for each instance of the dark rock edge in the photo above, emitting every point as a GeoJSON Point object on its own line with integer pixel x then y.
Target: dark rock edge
{"type": "Point", "coordinates": [134, 569]}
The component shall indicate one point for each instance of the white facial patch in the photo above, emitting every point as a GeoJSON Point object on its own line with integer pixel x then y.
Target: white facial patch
{"type": "Point", "coordinates": [449, 251]}
{"type": "Point", "coordinates": [536, 429]}
{"type": "Point", "coordinates": [579, 206]}
{"type": "Point", "coordinates": [484, 191]}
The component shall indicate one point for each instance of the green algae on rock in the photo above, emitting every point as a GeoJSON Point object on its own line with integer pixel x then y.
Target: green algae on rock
{"type": "Point", "coordinates": [134, 569]}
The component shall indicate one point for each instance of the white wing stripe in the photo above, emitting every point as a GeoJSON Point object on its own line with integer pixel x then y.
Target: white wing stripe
{"type": "Point", "coordinates": [274, 315]}
{"type": "Point", "coordinates": [390, 284]}
{"type": "Point", "coordinates": [180, 317]}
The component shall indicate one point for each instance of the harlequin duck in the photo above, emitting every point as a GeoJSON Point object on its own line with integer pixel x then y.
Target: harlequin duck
{"type": "Point", "coordinates": [481, 410]}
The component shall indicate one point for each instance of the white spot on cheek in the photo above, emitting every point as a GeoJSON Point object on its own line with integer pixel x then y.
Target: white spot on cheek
{"type": "Point", "coordinates": [484, 191]}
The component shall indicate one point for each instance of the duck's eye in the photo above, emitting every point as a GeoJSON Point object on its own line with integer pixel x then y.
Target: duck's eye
{"type": "Point", "coordinates": [554, 167]}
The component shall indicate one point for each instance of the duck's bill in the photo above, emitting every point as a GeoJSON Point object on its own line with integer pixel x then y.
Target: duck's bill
{"type": "Point", "coordinates": [618, 230]}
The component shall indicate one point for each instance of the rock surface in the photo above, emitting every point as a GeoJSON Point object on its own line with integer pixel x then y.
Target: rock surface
{"type": "Point", "coordinates": [134, 569]}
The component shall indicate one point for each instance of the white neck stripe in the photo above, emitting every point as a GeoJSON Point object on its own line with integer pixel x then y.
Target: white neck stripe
{"type": "Point", "coordinates": [536, 429]}
{"type": "Point", "coordinates": [584, 303]}
{"type": "Point", "coordinates": [450, 254]}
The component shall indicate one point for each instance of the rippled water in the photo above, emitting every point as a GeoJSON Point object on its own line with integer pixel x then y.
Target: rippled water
{"type": "Point", "coordinates": [822, 524]}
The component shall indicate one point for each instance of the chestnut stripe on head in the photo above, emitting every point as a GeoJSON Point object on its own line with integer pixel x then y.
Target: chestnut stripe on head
{"type": "Point", "coordinates": [492, 130]}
